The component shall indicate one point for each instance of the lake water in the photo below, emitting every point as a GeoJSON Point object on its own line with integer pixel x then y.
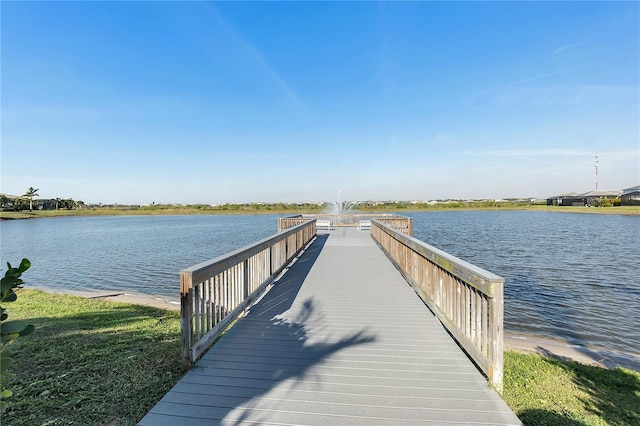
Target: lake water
{"type": "Point", "coordinates": [139, 254]}
{"type": "Point", "coordinates": [568, 276]}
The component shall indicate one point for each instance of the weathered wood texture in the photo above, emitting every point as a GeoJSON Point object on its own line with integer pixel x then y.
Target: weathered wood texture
{"type": "Point", "coordinates": [339, 339]}
{"type": "Point", "coordinates": [215, 292]}
{"type": "Point", "coordinates": [467, 299]}
{"type": "Point", "coordinates": [290, 222]}
{"type": "Point", "coordinates": [352, 219]}
{"type": "Point", "coordinates": [401, 223]}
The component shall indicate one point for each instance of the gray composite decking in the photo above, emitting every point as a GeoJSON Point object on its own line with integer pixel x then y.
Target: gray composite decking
{"type": "Point", "coordinates": [340, 339]}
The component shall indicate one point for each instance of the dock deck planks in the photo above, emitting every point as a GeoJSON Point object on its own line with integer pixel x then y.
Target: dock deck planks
{"type": "Point", "coordinates": [341, 339]}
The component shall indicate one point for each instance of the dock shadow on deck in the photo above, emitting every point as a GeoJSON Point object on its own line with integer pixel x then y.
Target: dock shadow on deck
{"type": "Point", "coordinates": [340, 339]}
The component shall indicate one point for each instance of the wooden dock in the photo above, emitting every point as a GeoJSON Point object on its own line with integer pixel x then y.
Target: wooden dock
{"type": "Point", "coordinates": [340, 339]}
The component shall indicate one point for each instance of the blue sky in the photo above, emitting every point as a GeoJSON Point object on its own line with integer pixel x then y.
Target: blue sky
{"type": "Point", "coordinates": [195, 102]}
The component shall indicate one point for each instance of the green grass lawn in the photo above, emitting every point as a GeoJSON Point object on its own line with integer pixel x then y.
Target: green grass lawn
{"type": "Point", "coordinates": [94, 362]}
{"type": "Point", "coordinates": [545, 391]}
{"type": "Point", "coordinates": [90, 362]}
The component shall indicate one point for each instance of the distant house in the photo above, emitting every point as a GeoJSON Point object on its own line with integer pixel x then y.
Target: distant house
{"type": "Point", "coordinates": [7, 201]}
{"type": "Point", "coordinates": [590, 198]}
{"type": "Point", "coordinates": [631, 196]}
{"type": "Point", "coordinates": [568, 199]}
{"type": "Point", "coordinates": [47, 204]}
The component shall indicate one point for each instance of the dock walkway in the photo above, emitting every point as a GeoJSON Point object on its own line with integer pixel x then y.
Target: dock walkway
{"type": "Point", "coordinates": [340, 339]}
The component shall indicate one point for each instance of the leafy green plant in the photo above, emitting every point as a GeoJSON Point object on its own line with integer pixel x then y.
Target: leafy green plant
{"type": "Point", "coordinates": [10, 330]}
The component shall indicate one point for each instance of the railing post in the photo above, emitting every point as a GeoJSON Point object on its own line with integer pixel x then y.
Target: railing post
{"type": "Point", "coordinates": [186, 322]}
{"type": "Point", "coordinates": [496, 355]}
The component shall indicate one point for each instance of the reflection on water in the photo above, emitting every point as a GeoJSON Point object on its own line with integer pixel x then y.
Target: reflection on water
{"type": "Point", "coordinates": [569, 276]}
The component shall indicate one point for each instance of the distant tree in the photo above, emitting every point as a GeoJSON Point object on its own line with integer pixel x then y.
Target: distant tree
{"type": "Point", "coordinates": [67, 203]}
{"type": "Point", "coordinates": [31, 192]}
{"type": "Point", "coordinates": [20, 204]}
{"type": "Point", "coordinates": [4, 201]}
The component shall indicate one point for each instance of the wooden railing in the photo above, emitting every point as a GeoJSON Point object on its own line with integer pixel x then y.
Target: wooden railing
{"type": "Point", "coordinates": [401, 223]}
{"type": "Point", "coordinates": [216, 292]}
{"type": "Point", "coordinates": [290, 222]}
{"type": "Point", "coordinates": [352, 219]}
{"type": "Point", "coordinates": [467, 299]}
{"type": "Point", "coordinates": [338, 220]}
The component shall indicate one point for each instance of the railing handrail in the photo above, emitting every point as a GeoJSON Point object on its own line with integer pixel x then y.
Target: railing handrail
{"type": "Point", "coordinates": [403, 223]}
{"type": "Point", "coordinates": [479, 278]}
{"type": "Point", "coordinates": [217, 291]}
{"type": "Point", "coordinates": [219, 264]}
{"type": "Point", "coordinates": [290, 221]}
{"type": "Point", "coordinates": [473, 315]}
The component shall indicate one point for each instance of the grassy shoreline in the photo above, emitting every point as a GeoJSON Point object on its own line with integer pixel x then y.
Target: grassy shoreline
{"type": "Point", "coordinates": [82, 365]}
{"type": "Point", "coordinates": [9, 215]}
{"type": "Point", "coordinates": [90, 362]}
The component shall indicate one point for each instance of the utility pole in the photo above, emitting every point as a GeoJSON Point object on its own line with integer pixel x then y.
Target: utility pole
{"type": "Point", "coordinates": [596, 171]}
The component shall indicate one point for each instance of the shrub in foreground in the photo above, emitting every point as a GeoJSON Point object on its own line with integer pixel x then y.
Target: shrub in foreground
{"type": "Point", "coordinates": [10, 330]}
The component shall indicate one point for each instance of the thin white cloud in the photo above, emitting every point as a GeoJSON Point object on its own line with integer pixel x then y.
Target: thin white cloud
{"type": "Point", "coordinates": [567, 47]}
{"type": "Point", "coordinates": [527, 80]}
{"type": "Point", "coordinates": [254, 54]}
{"type": "Point", "coordinates": [555, 152]}
{"type": "Point", "coordinates": [549, 74]}
{"type": "Point", "coordinates": [562, 96]}
{"type": "Point", "coordinates": [558, 152]}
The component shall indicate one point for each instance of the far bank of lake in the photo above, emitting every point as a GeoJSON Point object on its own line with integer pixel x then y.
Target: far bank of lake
{"type": "Point", "coordinates": [290, 209]}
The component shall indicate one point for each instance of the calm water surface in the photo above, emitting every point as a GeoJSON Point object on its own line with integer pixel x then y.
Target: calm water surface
{"type": "Point", "coordinates": [568, 276]}
{"type": "Point", "coordinates": [140, 254]}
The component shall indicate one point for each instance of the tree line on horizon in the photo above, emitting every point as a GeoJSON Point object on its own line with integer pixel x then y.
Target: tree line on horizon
{"type": "Point", "coordinates": [320, 207]}
{"type": "Point", "coordinates": [26, 202]}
